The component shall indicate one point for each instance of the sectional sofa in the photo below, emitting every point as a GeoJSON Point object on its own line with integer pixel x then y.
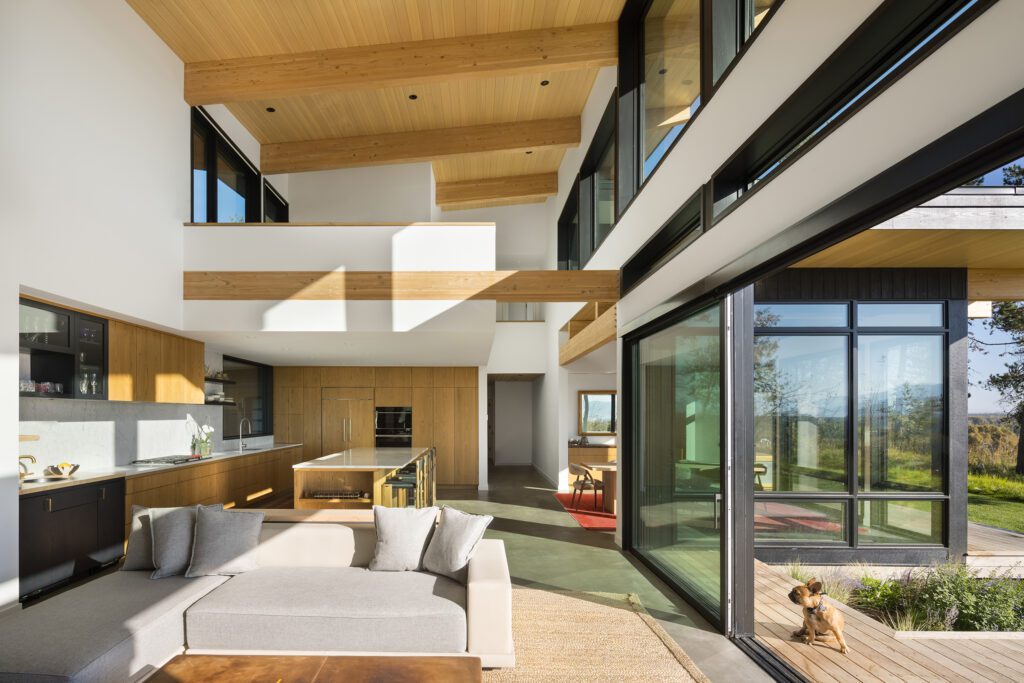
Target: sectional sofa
{"type": "Point", "coordinates": [312, 593]}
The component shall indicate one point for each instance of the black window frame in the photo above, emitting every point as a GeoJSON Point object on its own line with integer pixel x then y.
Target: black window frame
{"type": "Point", "coordinates": [266, 380]}
{"type": "Point", "coordinates": [217, 141]}
{"type": "Point", "coordinates": [274, 201]}
{"type": "Point", "coordinates": [678, 232]}
{"type": "Point", "coordinates": [865, 65]}
{"type": "Point", "coordinates": [717, 41]}
{"type": "Point", "coordinates": [854, 493]}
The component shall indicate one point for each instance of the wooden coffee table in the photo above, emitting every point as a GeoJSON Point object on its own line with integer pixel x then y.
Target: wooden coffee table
{"type": "Point", "coordinates": [321, 669]}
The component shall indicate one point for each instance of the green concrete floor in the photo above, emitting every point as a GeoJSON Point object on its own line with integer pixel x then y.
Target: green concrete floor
{"type": "Point", "coordinates": [547, 549]}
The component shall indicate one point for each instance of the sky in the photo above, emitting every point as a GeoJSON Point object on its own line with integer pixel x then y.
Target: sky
{"type": "Point", "coordinates": [981, 366]}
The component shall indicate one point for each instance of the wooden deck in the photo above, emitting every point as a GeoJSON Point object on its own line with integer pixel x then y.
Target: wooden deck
{"type": "Point", "coordinates": [995, 550]}
{"type": "Point", "coordinates": [875, 653]}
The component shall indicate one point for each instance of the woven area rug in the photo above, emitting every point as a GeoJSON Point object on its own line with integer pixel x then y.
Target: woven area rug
{"type": "Point", "coordinates": [564, 636]}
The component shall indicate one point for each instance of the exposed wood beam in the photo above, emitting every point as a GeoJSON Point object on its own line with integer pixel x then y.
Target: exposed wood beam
{"type": "Point", "coordinates": [423, 145]}
{"type": "Point", "coordinates": [995, 284]}
{"type": "Point", "coordinates": [592, 337]}
{"type": "Point", "coordinates": [470, 192]}
{"type": "Point", "coordinates": [514, 286]}
{"type": "Point", "coordinates": [393, 64]}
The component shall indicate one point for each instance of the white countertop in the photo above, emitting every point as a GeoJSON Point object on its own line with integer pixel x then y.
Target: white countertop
{"type": "Point", "coordinates": [129, 471]}
{"type": "Point", "coordinates": [367, 458]}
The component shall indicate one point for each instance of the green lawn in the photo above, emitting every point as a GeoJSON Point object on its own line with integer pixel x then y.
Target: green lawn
{"type": "Point", "coordinates": [1005, 513]}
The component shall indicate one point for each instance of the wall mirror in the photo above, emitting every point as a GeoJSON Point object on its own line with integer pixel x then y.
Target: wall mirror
{"type": "Point", "coordinates": [597, 413]}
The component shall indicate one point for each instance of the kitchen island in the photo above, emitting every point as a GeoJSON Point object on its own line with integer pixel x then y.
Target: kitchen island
{"type": "Point", "coordinates": [359, 478]}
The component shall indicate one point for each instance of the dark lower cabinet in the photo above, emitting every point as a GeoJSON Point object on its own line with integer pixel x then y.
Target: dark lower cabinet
{"type": "Point", "coordinates": [66, 534]}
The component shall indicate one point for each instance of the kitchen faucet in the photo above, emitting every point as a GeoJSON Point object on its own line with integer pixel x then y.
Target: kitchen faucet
{"type": "Point", "coordinates": [23, 466]}
{"type": "Point", "coordinates": [241, 441]}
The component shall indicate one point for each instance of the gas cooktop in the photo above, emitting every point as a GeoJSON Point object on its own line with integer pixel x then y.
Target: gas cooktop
{"type": "Point", "coordinates": [171, 460]}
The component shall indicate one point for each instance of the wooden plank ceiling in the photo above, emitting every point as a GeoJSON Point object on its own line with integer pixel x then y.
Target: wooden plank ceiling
{"type": "Point", "coordinates": [355, 76]}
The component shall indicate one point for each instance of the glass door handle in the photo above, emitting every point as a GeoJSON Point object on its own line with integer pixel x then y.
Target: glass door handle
{"type": "Point", "coordinates": [718, 506]}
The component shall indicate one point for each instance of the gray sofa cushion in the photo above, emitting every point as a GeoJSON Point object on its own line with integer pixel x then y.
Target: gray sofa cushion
{"type": "Point", "coordinates": [453, 543]}
{"type": "Point", "coordinates": [333, 609]}
{"type": "Point", "coordinates": [139, 554]}
{"type": "Point", "coordinates": [173, 532]}
{"type": "Point", "coordinates": [225, 542]}
{"type": "Point", "coordinates": [402, 537]}
{"type": "Point", "coordinates": [108, 629]}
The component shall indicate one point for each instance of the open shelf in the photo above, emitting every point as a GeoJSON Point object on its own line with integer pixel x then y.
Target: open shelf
{"type": "Point", "coordinates": [221, 403]}
{"type": "Point", "coordinates": [214, 380]}
{"type": "Point", "coordinates": [28, 437]}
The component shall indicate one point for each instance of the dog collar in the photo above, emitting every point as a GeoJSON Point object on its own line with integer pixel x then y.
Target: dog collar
{"type": "Point", "coordinates": [820, 609]}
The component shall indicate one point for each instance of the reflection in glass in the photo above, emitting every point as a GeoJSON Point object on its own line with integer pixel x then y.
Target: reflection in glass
{"type": "Point", "coordinates": [597, 412]}
{"type": "Point", "coordinates": [231, 190]}
{"type": "Point", "coordinates": [900, 522]}
{"type": "Point", "coordinates": [899, 315]}
{"type": "Point", "coordinates": [757, 10]}
{"type": "Point", "coordinates": [790, 520]}
{"type": "Point", "coordinates": [801, 315]}
{"type": "Point", "coordinates": [678, 454]}
{"type": "Point", "coordinates": [801, 395]}
{"type": "Point", "coordinates": [671, 74]}
{"type": "Point", "coordinates": [604, 194]}
{"type": "Point", "coordinates": [899, 412]}
{"type": "Point", "coordinates": [249, 395]}
{"type": "Point", "coordinates": [198, 178]}
{"type": "Point", "coordinates": [573, 262]}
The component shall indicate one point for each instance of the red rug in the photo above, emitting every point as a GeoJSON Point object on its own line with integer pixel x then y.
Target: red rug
{"type": "Point", "coordinates": [586, 516]}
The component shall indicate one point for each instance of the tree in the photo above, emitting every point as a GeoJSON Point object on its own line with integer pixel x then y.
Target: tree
{"type": "Point", "coordinates": [1008, 317]}
{"type": "Point", "coordinates": [1013, 175]}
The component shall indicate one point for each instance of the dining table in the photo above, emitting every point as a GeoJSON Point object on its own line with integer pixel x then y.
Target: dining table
{"type": "Point", "coordinates": [609, 475]}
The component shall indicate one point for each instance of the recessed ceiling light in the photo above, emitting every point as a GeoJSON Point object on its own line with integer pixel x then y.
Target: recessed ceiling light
{"type": "Point", "coordinates": [270, 110]}
{"type": "Point", "coordinates": [544, 82]}
{"type": "Point", "coordinates": [413, 97]}
{"type": "Point", "coordinates": [662, 71]}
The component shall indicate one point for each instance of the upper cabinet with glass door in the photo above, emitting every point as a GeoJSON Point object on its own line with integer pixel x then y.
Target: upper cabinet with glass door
{"type": "Point", "coordinates": [63, 354]}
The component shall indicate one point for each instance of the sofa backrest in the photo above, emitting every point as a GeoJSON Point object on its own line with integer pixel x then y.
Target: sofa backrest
{"type": "Point", "coordinates": [316, 544]}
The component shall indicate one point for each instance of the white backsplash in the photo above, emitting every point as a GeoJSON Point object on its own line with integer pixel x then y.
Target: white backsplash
{"type": "Point", "coordinates": [100, 434]}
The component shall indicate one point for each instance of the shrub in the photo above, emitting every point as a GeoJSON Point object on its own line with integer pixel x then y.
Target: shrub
{"type": "Point", "coordinates": [948, 597]}
{"type": "Point", "coordinates": [1008, 487]}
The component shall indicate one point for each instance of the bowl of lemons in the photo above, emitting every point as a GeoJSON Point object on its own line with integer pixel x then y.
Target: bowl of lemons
{"type": "Point", "coordinates": [61, 471]}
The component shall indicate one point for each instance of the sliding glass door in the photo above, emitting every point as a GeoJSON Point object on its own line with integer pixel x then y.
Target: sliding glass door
{"type": "Point", "coordinates": [678, 457]}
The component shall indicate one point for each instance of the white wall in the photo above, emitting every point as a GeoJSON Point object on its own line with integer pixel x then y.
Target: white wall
{"type": "Point", "coordinates": [522, 232]}
{"type": "Point", "coordinates": [93, 159]}
{"type": "Point", "coordinates": [551, 420]}
{"type": "Point", "coordinates": [518, 348]}
{"type": "Point", "coordinates": [513, 423]}
{"type": "Point", "coordinates": [394, 193]}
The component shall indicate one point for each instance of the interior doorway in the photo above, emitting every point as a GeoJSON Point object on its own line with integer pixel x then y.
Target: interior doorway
{"type": "Point", "coordinates": [510, 408]}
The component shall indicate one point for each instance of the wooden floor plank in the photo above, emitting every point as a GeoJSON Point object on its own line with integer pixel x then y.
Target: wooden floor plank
{"type": "Point", "coordinates": [875, 653]}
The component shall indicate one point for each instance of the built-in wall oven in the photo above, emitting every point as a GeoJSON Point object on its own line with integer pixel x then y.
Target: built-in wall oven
{"type": "Point", "coordinates": [393, 426]}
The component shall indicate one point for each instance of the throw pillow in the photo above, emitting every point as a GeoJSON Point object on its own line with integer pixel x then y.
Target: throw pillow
{"type": "Point", "coordinates": [454, 542]}
{"type": "Point", "coordinates": [225, 542]}
{"type": "Point", "coordinates": [139, 554]}
{"type": "Point", "coordinates": [173, 530]}
{"type": "Point", "coordinates": [402, 537]}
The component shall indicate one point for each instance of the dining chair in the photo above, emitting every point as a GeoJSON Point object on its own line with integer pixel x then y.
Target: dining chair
{"type": "Point", "coordinates": [584, 482]}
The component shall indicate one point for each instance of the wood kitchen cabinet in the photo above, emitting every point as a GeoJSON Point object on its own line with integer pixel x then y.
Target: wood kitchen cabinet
{"type": "Point", "coordinates": [444, 401]}
{"type": "Point", "coordinates": [149, 365]}
{"type": "Point", "coordinates": [234, 482]}
{"type": "Point", "coordinates": [67, 533]}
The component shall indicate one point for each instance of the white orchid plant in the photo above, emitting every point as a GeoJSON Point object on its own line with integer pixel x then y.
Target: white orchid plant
{"type": "Point", "coordinates": [202, 435]}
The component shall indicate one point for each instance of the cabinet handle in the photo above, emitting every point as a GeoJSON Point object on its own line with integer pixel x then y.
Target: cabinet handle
{"type": "Point", "coordinates": [49, 504]}
{"type": "Point", "coordinates": [103, 493]}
